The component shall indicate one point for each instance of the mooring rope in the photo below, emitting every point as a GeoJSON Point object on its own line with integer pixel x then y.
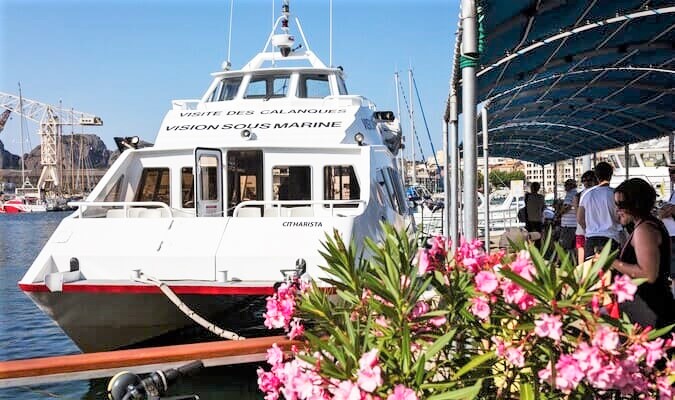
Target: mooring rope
{"type": "Point", "coordinates": [211, 327]}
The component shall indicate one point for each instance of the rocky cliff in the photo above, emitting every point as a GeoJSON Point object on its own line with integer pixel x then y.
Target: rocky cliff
{"type": "Point", "coordinates": [77, 152]}
{"type": "Point", "coordinates": [7, 159]}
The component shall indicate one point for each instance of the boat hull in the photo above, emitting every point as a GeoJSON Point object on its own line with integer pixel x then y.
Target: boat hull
{"type": "Point", "coordinates": [99, 320]}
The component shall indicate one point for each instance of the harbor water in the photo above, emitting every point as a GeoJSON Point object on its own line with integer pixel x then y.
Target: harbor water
{"type": "Point", "coordinates": [25, 332]}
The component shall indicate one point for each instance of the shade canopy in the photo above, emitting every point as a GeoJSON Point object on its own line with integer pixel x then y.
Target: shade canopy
{"type": "Point", "coordinates": [565, 78]}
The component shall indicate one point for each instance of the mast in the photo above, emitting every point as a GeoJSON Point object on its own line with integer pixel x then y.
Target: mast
{"type": "Point", "coordinates": [412, 127]}
{"type": "Point", "coordinates": [23, 164]}
{"type": "Point", "coordinates": [398, 113]}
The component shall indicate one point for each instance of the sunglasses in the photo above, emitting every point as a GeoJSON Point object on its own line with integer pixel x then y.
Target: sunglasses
{"type": "Point", "coordinates": [621, 204]}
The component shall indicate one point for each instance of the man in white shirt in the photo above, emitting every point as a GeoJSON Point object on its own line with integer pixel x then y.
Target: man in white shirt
{"type": "Point", "coordinates": [568, 216]}
{"type": "Point", "coordinates": [667, 215]}
{"type": "Point", "coordinates": [597, 213]}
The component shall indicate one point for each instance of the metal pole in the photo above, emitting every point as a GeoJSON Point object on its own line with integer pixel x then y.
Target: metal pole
{"type": "Point", "coordinates": [555, 180]}
{"type": "Point", "coordinates": [626, 157]}
{"type": "Point", "coordinates": [574, 169]}
{"type": "Point", "coordinates": [412, 127]}
{"type": "Point", "coordinates": [671, 149]}
{"type": "Point", "coordinates": [469, 47]}
{"type": "Point", "coordinates": [586, 163]}
{"type": "Point", "coordinates": [486, 173]}
{"type": "Point", "coordinates": [543, 178]}
{"type": "Point", "coordinates": [446, 179]}
{"type": "Point", "coordinates": [398, 111]}
{"type": "Point", "coordinates": [453, 186]}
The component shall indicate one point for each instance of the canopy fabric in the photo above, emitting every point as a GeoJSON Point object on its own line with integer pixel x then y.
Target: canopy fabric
{"type": "Point", "coordinates": [565, 78]}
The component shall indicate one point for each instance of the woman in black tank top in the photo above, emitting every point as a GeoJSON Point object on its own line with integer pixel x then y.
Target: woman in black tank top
{"type": "Point", "coordinates": [646, 254]}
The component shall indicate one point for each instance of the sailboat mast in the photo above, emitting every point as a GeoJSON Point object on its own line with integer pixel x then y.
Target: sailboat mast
{"type": "Point", "coordinates": [398, 114]}
{"type": "Point", "coordinates": [412, 126]}
{"type": "Point", "coordinates": [23, 163]}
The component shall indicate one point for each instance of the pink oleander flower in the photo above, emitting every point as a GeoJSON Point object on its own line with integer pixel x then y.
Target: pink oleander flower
{"type": "Point", "coordinates": [401, 392]}
{"type": "Point", "coordinates": [568, 373]}
{"type": "Point", "coordinates": [382, 321]}
{"type": "Point", "coordinates": [623, 288]}
{"type": "Point", "coordinates": [605, 338]}
{"type": "Point", "coordinates": [523, 266]}
{"type": "Point", "coordinates": [486, 281]}
{"type": "Point", "coordinates": [369, 376]}
{"type": "Point", "coordinates": [420, 308]}
{"type": "Point", "coordinates": [297, 329]}
{"type": "Point", "coordinates": [369, 379]}
{"type": "Point", "coordinates": [654, 351]}
{"type": "Point", "coordinates": [275, 356]}
{"type": "Point", "coordinates": [471, 255]}
{"type": "Point", "coordinates": [268, 382]}
{"type": "Point", "coordinates": [665, 388]}
{"type": "Point", "coordinates": [515, 294]}
{"type": "Point", "coordinates": [347, 390]}
{"type": "Point", "coordinates": [437, 321]}
{"type": "Point", "coordinates": [424, 264]}
{"type": "Point", "coordinates": [549, 326]}
{"type": "Point", "coordinates": [500, 347]}
{"type": "Point", "coordinates": [369, 359]}
{"type": "Point", "coordinates": [480, 308]}
{"type": "Point", "coordinates": [514, 355]}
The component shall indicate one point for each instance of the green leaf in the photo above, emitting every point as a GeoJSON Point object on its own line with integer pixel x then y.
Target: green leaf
{"type": "Point", "coordinates": [659, 332]}
{"type": "Point", "coordinates": [474, 363]}
{"type": "Point", "coordinates": [526, 391]}
{"type": "Point", "coordinates": [440, 343]}
{"type": "Point", "coordinates": [466, 393]}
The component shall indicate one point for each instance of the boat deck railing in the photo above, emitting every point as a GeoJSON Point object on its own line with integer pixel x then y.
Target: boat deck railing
{"type": "Point", "coordinates": [125, 209]}
{"type": "Point", "coordinates": [292, 208]}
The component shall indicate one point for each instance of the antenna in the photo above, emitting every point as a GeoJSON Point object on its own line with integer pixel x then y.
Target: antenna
{"type": "Point", "coordinates": [23, 161]}
{"type": "Point", "coordinates": [330, 34]}
{"type": "Point", "coordinates": [229, 38]}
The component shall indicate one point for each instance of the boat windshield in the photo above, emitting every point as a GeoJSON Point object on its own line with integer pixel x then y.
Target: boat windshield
{"type": "Point", "coordinates": [268, 86]}
{"type": "Point", "coordinates": [226, 90]}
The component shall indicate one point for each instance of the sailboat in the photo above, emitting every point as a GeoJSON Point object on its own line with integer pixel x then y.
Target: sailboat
{"type": "Point", "coordinates": [28, 198]}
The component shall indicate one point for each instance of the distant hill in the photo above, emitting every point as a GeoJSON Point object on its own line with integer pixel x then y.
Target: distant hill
{"type": "Point", "coordinates": [7, 159]}
{"type": "Point", "coordinates": [79, 151]}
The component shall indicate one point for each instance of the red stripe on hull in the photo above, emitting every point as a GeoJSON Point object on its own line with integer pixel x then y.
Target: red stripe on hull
{"type": "Point", "coordinates": [139, 289]}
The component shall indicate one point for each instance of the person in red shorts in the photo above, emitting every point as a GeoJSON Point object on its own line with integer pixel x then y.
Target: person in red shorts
{"type": "Point", "coordinates": [588, 179]}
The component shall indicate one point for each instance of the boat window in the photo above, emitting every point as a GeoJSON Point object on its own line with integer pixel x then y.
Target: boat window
{"type": "Point", "coordinates": [187, 189]}
{"type": "Point", "coordinates": [154, 185]}
{"type": "Point", "coordinates": [654, 159]}
{"type": "Point", "coordinates": [633, 160]}
{"type": "Point", "coordinates": [497, 199]}
{"type": "Point", "coordinates": [313, 86]}
{"type": "Point", "coordinates": [114, 193]}
{"type": "Point", "coordinates": [208, 166]}
{"type": "Point", "coordinates": [292, 182]}
{"type": "Point", "coordinates": [393, 186]}
{"type": "Point", "coordinates": [270, 86]}
{"type": "Point", "coordinates": [226, 90]}
{"type": "Point", "coordinates": [342, 87]}
{"type": "Point", "coordinates": [340, 183]}
{"type": "Point", "coordinates": [244, 177]}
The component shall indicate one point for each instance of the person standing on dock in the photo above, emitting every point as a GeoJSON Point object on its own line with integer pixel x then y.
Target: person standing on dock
{"type": "Point", "coordinates": [568, 217]}
{"type": "Point", "coordinates": [667, 214]}
{"type": "Point", "coordinates": [534, 204]}
{"type": "Point", "coordinates": [597, 213]}
{"type": "Point", "coordinates": [588, 179]}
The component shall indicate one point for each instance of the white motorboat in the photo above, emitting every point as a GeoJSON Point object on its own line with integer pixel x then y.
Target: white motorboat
{"type": "Point", "coordinates": [241, 186]}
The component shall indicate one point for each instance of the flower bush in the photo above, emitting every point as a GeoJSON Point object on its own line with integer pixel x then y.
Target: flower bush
{"type": "Point", "coordinates": [409, 323]}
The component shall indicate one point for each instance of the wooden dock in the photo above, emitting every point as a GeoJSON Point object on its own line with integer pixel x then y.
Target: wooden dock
{"type": "Point", "coordinates": [106, 364]}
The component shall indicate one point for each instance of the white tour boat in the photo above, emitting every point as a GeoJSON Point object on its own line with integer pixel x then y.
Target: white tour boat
{"type": "Point", "coordinates": [240, 188]}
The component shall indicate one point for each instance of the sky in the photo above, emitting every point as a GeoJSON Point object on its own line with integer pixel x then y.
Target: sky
{"type": "Point", "coordinates": [125, 60]}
